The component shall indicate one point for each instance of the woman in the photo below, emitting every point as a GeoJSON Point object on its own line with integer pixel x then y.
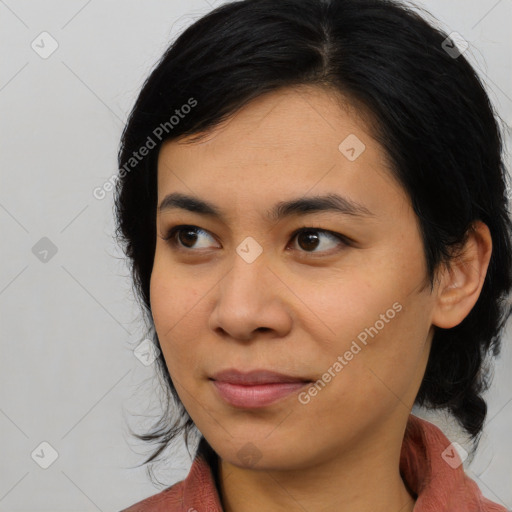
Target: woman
{"type": "Point", "coordinates": [313, 200]}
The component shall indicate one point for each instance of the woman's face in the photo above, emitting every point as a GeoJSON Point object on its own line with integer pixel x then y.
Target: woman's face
{"type": "Point", "coordinates": [244, 291]}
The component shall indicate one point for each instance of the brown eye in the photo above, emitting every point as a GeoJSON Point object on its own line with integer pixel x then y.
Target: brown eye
{"type": "Point", "coordinates": [185, 237]}
{"type": "Point", "coordinates": [309, 239]}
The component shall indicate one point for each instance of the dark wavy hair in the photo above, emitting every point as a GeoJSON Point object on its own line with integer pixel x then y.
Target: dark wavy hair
{"type": "Point", "coordinates": [430, 113]}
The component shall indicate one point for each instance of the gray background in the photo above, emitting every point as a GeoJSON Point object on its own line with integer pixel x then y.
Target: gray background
{"type": "Point", "coordinates": [69, 322]}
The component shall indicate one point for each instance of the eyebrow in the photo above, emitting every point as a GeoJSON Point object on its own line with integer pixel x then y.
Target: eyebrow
{"type": "Point", "coordinates": [282, 209]}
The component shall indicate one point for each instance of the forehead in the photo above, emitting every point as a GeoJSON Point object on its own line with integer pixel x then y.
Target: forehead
{"type": "Point", "coordinates": [285, 117]}
{"type": "Point", "coordinates": [289, 141]}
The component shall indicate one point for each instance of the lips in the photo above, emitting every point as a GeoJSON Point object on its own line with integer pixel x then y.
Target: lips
{"type": "Point", "coordinates": [255, 377]}
{"type": "Point", "coordinates": [255, 389]}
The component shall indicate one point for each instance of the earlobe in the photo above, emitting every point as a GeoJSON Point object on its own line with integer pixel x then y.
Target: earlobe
{"type": "Point", "coordinates": [462, 279]}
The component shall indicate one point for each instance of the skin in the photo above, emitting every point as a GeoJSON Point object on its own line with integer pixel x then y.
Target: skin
{"type": "Point", "coordinates": [297, 307]}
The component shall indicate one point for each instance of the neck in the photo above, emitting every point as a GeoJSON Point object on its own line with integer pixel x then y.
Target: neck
{"type": "Point", "coordinates": [363, 479]}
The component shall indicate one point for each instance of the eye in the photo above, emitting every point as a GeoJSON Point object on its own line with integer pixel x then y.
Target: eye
{"type": "Point", "coordinates": [182, 237]}
{"type": "Point", "coordinates": [309, 239]}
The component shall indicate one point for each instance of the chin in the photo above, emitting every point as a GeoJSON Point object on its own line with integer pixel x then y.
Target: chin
{"type": "Point", "coordinates": [260, 453]}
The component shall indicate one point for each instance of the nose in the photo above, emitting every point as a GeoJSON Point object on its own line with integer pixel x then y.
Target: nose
{"type": "Point", "coordinates": [251, 299]}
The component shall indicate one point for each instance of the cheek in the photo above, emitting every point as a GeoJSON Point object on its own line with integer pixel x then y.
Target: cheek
{"type": "Point", "coordinates": [178, 305]}
{"type": "Point", "coordinates": [162, 294]}
{"type": "Point", "coordinates": [342, 304]}
{"type": "Point", "coordinates": [377, 322]}
{"type": "Point", "coordinates": [169, 308]}
{"type": "Point", "coordinates": [391, 365]}
{"type": "Point", "coordinates": [173, 294]}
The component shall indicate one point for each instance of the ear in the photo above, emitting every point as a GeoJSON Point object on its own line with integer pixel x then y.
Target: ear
{"type": "Point", "coordinates": [462, 279]}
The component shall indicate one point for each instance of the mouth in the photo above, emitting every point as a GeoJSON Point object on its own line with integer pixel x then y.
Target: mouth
{"type": "Point", "coordinates": [256, 388]}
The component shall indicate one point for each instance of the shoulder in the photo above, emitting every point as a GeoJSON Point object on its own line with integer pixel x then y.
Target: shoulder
{"type": "Point", "coordinates": [433, 469]}
{"type": "Point", "coordinates": [169, 500]}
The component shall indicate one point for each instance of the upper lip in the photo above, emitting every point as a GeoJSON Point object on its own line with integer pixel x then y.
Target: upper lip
{"type": "Point", "coordinates": [254, 377]}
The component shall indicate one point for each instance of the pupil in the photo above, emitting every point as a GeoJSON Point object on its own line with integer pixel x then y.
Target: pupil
{"type": "Point", "coordinates": [309, 236]}
{"type": "Point", "coordinates": [186, 234]}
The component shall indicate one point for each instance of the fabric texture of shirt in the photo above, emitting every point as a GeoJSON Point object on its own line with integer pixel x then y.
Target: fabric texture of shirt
{"type": "Point", "coordinates": [429, 466]}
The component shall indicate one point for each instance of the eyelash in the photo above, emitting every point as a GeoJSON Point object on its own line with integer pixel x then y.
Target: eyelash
{"type": "Point", "coordinates": [171, 236]}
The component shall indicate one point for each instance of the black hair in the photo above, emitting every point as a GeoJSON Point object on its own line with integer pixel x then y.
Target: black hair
{"type": "Point", "coordinates": [431, 114]}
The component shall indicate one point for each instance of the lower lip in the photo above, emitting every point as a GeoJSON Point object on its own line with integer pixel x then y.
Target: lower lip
{"type": "Point", "coordinates": [258, 395]}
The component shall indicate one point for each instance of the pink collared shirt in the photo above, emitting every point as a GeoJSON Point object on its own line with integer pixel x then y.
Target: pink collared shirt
{"type": "Point", "coordinates": [431, 471]}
